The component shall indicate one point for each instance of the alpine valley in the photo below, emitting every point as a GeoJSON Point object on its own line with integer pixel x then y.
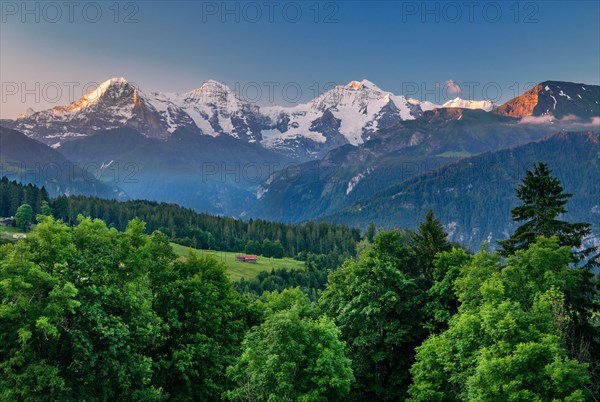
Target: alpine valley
{"type": "Point", "coordinates": [356, 154]}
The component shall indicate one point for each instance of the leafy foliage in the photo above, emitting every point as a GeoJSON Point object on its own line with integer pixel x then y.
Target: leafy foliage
{"type": "Point", "coordinates": [89, 312]}
{"type": "Point", "coordinates": [204, 323]}
{"type": "Point", "coordinates": [442, 301]}
{"type": "Point", "coordinates": [291, 356]}
{"type": "Point", "coordinates": [376, 302]}
{"type": "Point", "coordinates": [24, 217]}
{"type": "Point", "coordinates": [92, 313]}
{"type": "Point", "coordinates": [505, 343]}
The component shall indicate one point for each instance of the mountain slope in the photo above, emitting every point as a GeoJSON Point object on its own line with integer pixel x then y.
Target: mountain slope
{"type": "Point", "coordinates": [212, 174]}
{"type": "Point", "coordinates": [29, 161]}
{"type": "Point", "coordinates": [473, 196]}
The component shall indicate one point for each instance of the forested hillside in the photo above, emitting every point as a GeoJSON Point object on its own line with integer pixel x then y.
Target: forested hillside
{"type": "Point", "coordinates": [348, 175]}
{"type": "Point", "coordinates": [187, 227]}
{"type": "Point", "coordinates": [473, 197]}
{"type": "Point", "coordinates": [208, 231]}
{"type": "Point", "coordinates": [13, 195]}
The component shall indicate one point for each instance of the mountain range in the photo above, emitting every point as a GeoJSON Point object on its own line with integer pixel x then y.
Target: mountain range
{"type": "Point", "coordinates": [345, 114]}
{"type": "Point", "coordinates": [343, 155]}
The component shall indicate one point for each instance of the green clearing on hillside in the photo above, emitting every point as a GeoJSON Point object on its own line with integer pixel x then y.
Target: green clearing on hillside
{"type": "Point", "coordinates": [238, 270]}
{"type": "Point", "coordinates": [8, 231]}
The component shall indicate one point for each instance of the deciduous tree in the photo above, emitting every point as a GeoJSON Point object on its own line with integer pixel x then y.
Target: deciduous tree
{"type": "Point", "coordinates": [292, 356]}
{"type": "Point", "coordinates": [24, 217]}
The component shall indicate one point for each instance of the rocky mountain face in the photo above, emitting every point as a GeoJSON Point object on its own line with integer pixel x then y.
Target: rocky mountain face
{"type": "Point", "coordinates": [345, 114]}
{"type": "Point", "coordinates": [214, 109]}
{"type": "Point", "coordinates": [115, 103]}
{"type": "Point", "coordinates": [556, 99]}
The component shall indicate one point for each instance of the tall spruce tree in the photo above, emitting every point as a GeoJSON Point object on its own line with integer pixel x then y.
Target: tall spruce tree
{"type": "Point", "coordinates": [544, 201]}
{"type": "Point", "coordinates": [430, 239]}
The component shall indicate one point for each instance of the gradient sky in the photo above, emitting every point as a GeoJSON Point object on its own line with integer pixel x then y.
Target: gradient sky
{"type": "Point", "coordinates": [176, 46]}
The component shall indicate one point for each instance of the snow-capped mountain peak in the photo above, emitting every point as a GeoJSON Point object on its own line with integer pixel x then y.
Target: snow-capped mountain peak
{"type": "Point", "coordinates": [214, 109]}
{"type": "Point", "coordinates": [212, 84]}
{"type": "Point", "coordinates": [486, 105]}
{"type": "Point", "coordinates": [208, 91]}
{"type": "Point", "coordinates": [114, 90]}
{"type": "Point", "coordinates": [344, 114]}
{"type": "Point", "coordinates": [112, 104]}
{"type": "Point", "coordinates": [362, 84]}
{"type": "Point", "coordinates": [114, 87]}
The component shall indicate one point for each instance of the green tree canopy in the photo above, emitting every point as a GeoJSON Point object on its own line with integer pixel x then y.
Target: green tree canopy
{"type": "Point", "coordinates": [507, 341]}
{"type": "Point", "coordinates": [90, 313]}
{"type": "Point", "coordinates": [442, 301]}
{"type": "Point", "coordinates": [24, 216]}
{"type": "Point", "coordinates": [377, 308]}
{"type": "Point", "coordinates": [292, 356]}
{"type": "Point", "coordinates": [430, 239]}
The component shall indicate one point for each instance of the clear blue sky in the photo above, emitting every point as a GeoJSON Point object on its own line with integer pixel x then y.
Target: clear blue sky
{"type": "Point", "coordinates": [176, 46]}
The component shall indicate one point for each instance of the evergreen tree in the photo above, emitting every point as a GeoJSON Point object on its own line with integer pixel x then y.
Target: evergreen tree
{"type": "Point", "coordinates": [429, 240]}
{"type": "Point", "coordinates": [371, 232]}
{"type": "Point", "coordinates": [46, 210]}
{"type": "Point", "coordinates": [544, 201]}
